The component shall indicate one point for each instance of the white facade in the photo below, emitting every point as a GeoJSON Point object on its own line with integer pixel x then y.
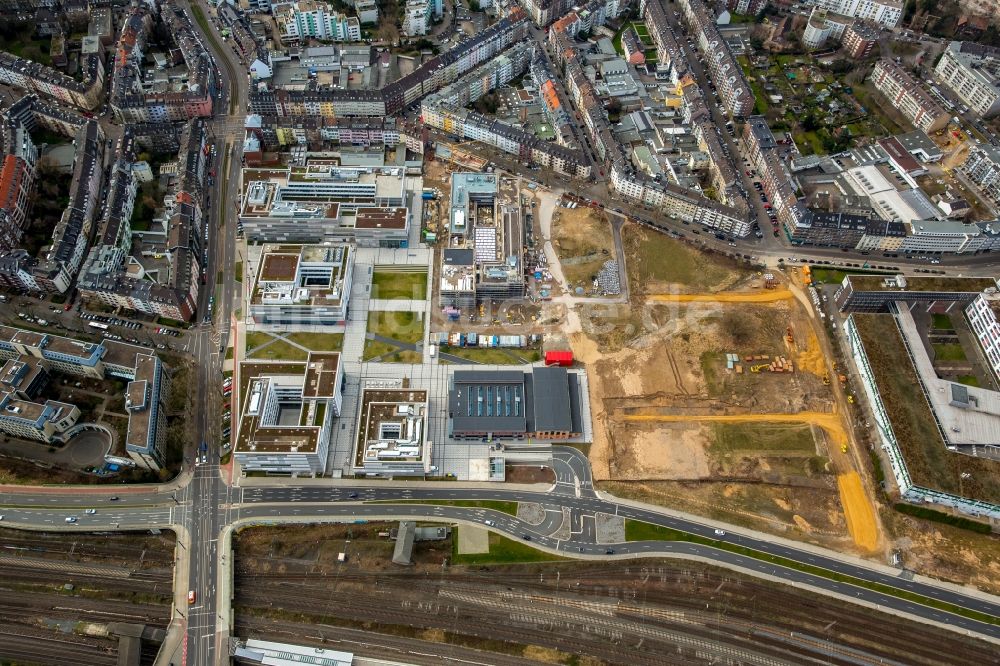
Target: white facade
{"type": "Point", "coordinates": [982, 314]}
{"type": "Point", "coordinates": [881, 12]}
{"type": "Point", "coordinates": [416, 18]}
{"type": "Point", "coordinates": [972, 72]}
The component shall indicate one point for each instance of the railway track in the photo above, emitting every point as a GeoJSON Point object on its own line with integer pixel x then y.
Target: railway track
{"type": "Point", "coordinates": [30, 646]}
{"type": "Point", "coordinates": [778, 621]}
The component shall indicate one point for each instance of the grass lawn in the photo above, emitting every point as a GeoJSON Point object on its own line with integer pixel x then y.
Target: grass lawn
{"type": "Point", "coordinates": [279, 350]}
{"type": "Point", "coordinates": [238, 271]}
{"type": "Point", "coordinates": [502, 551]}
{"type": "Point", "coordinates": [493, 356]}
{"type": "Point", "coordinates": [28, 47]}
{"type": "Point", "coordinates": [257, 339]}
{"type": "Point", "coordinates": [969, 380]}
{"type": "Point", "coordinates": [317, 342]}
{"type": "Point", "coordinates": [942, 322]}
{"type": "Point", "coordinates": [809, 143]}
{"type": "Point", "coordinates": [401, 326]}
{"type": "Point", "coordinates": [389, 285]}
{"type": "Point", "coordinates": [948, 351]}
{"type": "Point", "coordinates": [776, 437]}
{"type": "Point", "coordinates": [391, 354]}
{"type": "Point", "coordinates": [655, 257]}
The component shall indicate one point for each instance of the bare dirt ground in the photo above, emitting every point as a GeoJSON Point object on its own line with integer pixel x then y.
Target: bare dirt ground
{"type": "Point", "coordinates": [583, 242]}
{"type": "Point", "coordinates": [659, 382]}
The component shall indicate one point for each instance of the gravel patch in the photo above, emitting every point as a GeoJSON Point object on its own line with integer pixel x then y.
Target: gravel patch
{"type": "Point", "coordinates": [530, 512]}
{"type": "Point", "coordinates": [610, 529]}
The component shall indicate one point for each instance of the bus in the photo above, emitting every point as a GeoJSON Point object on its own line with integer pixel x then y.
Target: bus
{"type": "Point", "coordinates": [97, 324]}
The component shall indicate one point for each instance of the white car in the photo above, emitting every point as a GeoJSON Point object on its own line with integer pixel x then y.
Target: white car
{"type": "Point", "coordinates": [90, 512]}
{"type": "Point", "coordinates": [720, 533]}
{"type": "Point", "coordinates": [70, 519]}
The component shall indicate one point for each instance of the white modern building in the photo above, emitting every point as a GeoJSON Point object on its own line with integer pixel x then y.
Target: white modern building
{"type": "Point", "coordinates": [972, 71]}
{"type": "Point", "coordinates": [302, 285]}
{"type": "Point", "coordinates": [885, 13]}
{"type": "Point", "coordinates": [307, 19]}
{"type": "Point", "coordinates": [983, 314]}
{"type": "Point", "coordinates": [285, 414]}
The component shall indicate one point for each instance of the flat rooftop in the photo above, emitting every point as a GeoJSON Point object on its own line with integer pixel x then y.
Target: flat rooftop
{"type": "Point", "coordinates": [380, 218]}
{"type": "Point", "coordinates": [322, 370]}
{"type": "Point", "coordinates": [302, 275]}
{"type": "Point", "coordinates": [958, 285]}
{"type": "Point", "coordinates": [392, 423]}
{"type": "Point", "coordinates": [294, 431]}
{"type": "Point", "coordinates": [929, 462]}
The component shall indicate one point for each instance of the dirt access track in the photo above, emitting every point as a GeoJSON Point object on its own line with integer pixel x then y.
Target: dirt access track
{"type": "Point", "coordinates": [762, 296]}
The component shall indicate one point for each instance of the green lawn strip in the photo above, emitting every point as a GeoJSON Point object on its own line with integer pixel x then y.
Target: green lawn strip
{"type": "Point", "coordinates": [637, 530]}
{"type": "Point", "coordinates": [279, 351]}
{"type": "Point", "coordinates": [948, 351]}
{"type": "Point", "coordinates": [940, 517]}
{"type": "Point", "coordinates": [373, 349]}
{"type": "Point", "coordinates": [969, 380]}
{"type": "Point", "coordinates": [502, 551]}
{"type": "Point", "coordinates": [398, 285]}
{"type": "Point", "coordinates": [941, 321]}
{"type": "Point", "coordinates": [256, 339]}
{"type": "Point", "coordinates": [496, 505]}
{"type": "Point", "coordinates": [401, 326]}
{"type": "Point", "coordinates": [317, 342]}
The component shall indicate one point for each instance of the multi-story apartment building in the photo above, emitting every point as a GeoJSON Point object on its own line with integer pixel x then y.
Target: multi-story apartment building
{"type": "Point", "coordinates": [733, 88]}
{"type": "Point", "coordinates": [433, 75]}
{"type": "Point", "coordinates": [983, 314]}
{"type": "Point", "coordinates": [264, 440]}
{"type": "Point", "coordinates": [983, 168]}
{"type": "Point", "coordinates": [110, 278]}
{"type": "Point", "coordinates": [859, 40]}
{"type": "Point", "coordinates": [135, 98]}
{"type": "Point", "coordinates": [909, 97]}
{"type": "Point", "coordinates": [972, 71]}
{"type": "Point", "coordinates": [86, 93]}
{"type": "Point", "coordinates": [306, 19]}
{"type": "Point", "coordinates": [416, 17]}
{"type": "Point", "coordinates": [302, 285]}
{"type": "Point", "coordinates": [885, 13]}
{"type": "Point", "coordinates": [746, 7]}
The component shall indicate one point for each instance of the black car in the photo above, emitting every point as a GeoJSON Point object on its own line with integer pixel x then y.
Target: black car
{"type": "Point", "coordinates": [609, 551]}
{"type": "Point", "coordinates": [526, 537]}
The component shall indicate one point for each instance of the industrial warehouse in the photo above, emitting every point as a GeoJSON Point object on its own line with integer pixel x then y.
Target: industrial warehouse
{"type": "Point", "coordinates": [543, 404]}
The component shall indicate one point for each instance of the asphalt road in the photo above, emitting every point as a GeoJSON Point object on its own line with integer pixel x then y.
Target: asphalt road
{"type": "Point", "coordinates": [290, 503]}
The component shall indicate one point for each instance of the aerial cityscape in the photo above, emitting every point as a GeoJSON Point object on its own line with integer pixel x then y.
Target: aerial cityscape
{"type": "Point", "coordinates": [499, 332]}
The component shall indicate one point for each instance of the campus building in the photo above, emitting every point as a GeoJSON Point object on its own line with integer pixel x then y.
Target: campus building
{"type": "Point", "coordinates": [942, 445]}
{"type": "Point", "coordinates": [303, 285]}
{"type": "Point", "coordinates": [392, 431]}
{"type": "Point", "coordinates": [544, 403]}
{"type": "Point", "coordinates": [983, 314]}
{"type": "Point", "coordinates": [147, 420]}
{"type": "Point", "coordinates": [324, 202]}
{"type": "Point", "coordinates": [284, 415]}
{"type": "Point", "coordinates": [485, 259]}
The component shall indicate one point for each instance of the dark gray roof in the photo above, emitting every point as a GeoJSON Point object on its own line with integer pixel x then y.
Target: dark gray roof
{"type": "Point", "coordinates": [484, 401]}
{"type": "Point", "coordinates": [459, 257]}
{"type": "Point", "coordinates": [552, 407]}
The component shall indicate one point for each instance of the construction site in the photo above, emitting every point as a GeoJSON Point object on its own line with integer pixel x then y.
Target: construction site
{"type": "Point", "coordinates": [335, 586]}
{"type": "Point", "coordinates": [713, 393]}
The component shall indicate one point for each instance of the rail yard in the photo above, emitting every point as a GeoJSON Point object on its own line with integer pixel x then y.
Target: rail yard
{"type": "Point", "coordinates": [643, 612]}
{"type": "Point", "coordinates": [58, 596]}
